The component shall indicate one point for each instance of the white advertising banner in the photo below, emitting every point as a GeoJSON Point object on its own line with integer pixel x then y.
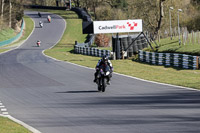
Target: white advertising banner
{"type": "Point", "coordinates": [117, 26]}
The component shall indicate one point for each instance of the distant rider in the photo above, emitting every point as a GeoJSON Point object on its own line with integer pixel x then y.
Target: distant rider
{"type": "Point", "coordinates": [41, 24]}
{"type": "Point", "coordinates": [49, 18]}
{"type": "Point", "coordinates": [38, 43]}
{"type": "Point", "coordinates": [39, 14]}
{"type": "Point", "coordinates": [101, 62]}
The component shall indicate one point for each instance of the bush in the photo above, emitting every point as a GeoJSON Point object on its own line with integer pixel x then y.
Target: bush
{"type": "Point", "coordinates": [102, 40]}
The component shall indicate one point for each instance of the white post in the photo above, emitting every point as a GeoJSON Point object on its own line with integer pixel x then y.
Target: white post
{"type": "Point", "coordinates": [171, 8]}
{"type": "Point", "coordinates": [70, 4]}
{"type": "Point", "coordinates": [179, 10]}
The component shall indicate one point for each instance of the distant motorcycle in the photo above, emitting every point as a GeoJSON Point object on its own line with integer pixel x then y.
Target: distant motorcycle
{"type": "Point", "coordinates": [39, 14]}
{"type": "Point", "coordinates": [41, 24]}
{"type": "Point", "coordinates": [49, 19]}
{"type": "Point", "coordinates": [38, 43]}
{"type": "Point", "coordinates": [102, 75]}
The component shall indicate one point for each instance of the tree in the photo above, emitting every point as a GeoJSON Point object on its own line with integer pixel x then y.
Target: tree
{"type": "Point", "coordinates": [77, 3]}
{"type": "Point", "coordinates": [2, 13]}
{"type": "Point", "coordinates": [152, 13]}
{"type": "Point", "coordinates": [10, 13]}
{"type": "Point", "coordinates": [121, 4]}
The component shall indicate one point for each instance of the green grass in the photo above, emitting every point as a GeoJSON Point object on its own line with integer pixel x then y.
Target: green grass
{"type": "Point", "coordinates": [182, 77]}
{"type": "Point", "coordinates": [6, 34]}
{"type": "Point", "coordinates": [8, 126]}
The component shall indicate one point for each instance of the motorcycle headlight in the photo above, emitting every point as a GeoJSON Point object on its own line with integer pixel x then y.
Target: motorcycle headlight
{"type": "Point", "coordinates": [107, 73]}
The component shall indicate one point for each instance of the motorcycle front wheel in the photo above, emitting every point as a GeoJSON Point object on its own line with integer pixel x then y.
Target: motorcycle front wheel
{"type": "Point", "coordinates": [99, 84]}
{"type": "Point", "coordinates": [103, 84]}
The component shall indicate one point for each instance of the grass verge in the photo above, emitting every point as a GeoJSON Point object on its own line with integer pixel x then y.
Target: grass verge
{"type": "Point", "coordinates": [6, 34]}
{"type": "Point", "coordinates": [8, 126]}
{"type": "Point", "coordinates": [64, 51]}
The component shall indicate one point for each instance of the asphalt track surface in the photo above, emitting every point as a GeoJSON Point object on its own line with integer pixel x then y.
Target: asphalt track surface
{"type": "Point", "coordinates": [59, 97]}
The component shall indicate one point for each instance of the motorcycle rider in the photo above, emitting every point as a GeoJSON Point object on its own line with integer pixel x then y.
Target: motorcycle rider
{"type": "Point", "coordinates": [41, 24]}
{"type": "Point", "coordinates": [39, 14]}
{"type": "Point", "coordinates": [49, 18]}
{"type": "Point", "coordinates": [104, 60]}
{"type": "Point", "coordinates": [38, 43]}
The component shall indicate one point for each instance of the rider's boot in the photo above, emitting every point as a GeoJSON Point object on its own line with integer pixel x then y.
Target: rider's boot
{"type": "Point", "coordinates": [95, 79]}
{"type": "Point", "coordinates": [108, 81]}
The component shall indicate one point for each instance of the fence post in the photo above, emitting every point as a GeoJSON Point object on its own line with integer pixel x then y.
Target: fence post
{"type": "Point", "coordinates": [175, 32]}
{"type": "Point", "coordinates": [192, 37]}
{"type": "Point", "coordinates": [182, 34]}
{"type": "Point", "coordinates": [197, 37]}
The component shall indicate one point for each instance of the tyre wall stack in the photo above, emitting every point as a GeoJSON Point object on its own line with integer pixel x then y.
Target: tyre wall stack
{"type": "Point", "coordinates": [126, 40]}
{"type": "Point", "coordinates": [91, 51]}
{"type": "Point", "coordinates": [170, 59]}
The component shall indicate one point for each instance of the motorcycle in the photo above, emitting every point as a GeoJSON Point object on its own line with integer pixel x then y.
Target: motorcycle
{"type": "Point", "coordinates": [39, 14]}
{"type": "Point", "coordinates": [41, 24]}
{"type": "Point", "coordinates": [38, 43]}
{"type": "Point", "coordinates": [49, 19]}
{"type": "Point", "coordinates": [102, 76]}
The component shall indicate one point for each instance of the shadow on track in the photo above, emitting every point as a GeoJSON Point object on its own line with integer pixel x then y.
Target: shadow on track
{"type": "Point", "coordinates": [78, 92]}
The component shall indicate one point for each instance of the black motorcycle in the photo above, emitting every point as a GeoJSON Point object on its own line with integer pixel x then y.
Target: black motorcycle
{"type": "Point", "coordinates": [39, 14]}
{"type": "Point", "coordinates": [102, 75]}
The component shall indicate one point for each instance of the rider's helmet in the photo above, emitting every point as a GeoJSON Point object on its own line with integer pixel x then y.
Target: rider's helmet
{"type": "Point", "coordinates": [105, 59]}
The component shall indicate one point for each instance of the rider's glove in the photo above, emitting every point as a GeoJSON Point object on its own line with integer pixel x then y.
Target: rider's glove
{"type": "Point", "coordinates": [111, 69]}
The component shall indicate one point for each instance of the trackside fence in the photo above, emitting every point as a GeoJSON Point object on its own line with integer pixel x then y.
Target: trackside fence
{"type": "Point", "coordinates": [91, 51]}
{"type": "Point", "coordinates": [170, 59]}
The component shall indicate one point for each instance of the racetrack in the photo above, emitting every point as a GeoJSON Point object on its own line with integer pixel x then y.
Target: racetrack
{"type": "Point", "coordinates": [59, 97]}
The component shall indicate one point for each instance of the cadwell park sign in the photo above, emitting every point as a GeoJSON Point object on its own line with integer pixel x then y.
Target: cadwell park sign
{"type": "Point", "coordinates": [117, 26]}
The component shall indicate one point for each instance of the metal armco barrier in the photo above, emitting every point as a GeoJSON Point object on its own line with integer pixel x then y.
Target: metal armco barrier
{"type": "Point", "coordinates": [170, 59]}
{"type": "Point", "coordinates": [91, 51]}
{"type": "Point", "coordinates": [14, 38]}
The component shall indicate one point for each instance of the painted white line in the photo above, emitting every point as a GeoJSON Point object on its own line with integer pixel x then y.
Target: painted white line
{"type": "Point", "coordinates": [2, 106]}
{"type": "Point", "coordinates": [5, 113]}
{"type": "Point", "coordinates": [24, 124]}
{"type": "Point", "coordinates": [3, 110]}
